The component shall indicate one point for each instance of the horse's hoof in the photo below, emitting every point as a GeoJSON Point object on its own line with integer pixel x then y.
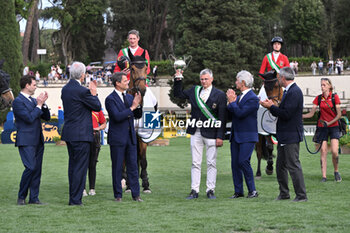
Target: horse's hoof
{"type": "Point", "coordinates": [269, 172]}
{"type": "Point", "coordinates": [147, 191]}
{"type": "Point", "coordinates": [258, 177]}
{"type": "Point", "coordinates": [127, 190]}
{"type": "Point", "coordinates": [123, 183]}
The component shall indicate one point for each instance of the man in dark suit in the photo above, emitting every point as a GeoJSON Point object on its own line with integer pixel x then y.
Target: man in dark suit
{"type": "Point", "coordinates": [244, 133]}
{"type": "Point", "coordinates": [207, 104]}
{"type": "Point", "coordinates": [29, 139]}
{"type": "Point", "coordinates": [122, 108]}
{"type": "Point", "coordinates": [289, 135]}
{"type": "Point", "coordinates": [78, 103]}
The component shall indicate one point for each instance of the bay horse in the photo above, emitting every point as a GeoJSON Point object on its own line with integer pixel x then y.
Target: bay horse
{"type": "Point", "coordinates": [138, 74]}
{"type": "Point", "coordinates": [6, 97]}
{"type": "Point", "coordinates": [264, 147]}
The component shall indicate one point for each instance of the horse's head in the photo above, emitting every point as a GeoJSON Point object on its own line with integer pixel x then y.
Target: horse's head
{"type": "Point", "coordinates": [272, 86]}
{"type": "Point", "coordinates": [138, 73]}
{"type": "Point", "coordinates": [5, 91]}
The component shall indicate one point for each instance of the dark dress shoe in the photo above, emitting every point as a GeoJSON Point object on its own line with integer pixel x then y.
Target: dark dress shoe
{"type": "Point", "coordinates": [192, 195]}
{"type": "Point", "coordinates": [253, 194]}
{"type": "Point", "coordinates": [21, 201]}
{"type": "Point", "coordinates": [138, 199]}
{"type": "Point", "coordinates": [300, 199]}
{"type": "Point", "coordinates": [280, 198]}
{"type": "Point", "coordinates": [36, 202]}
{"type": "Point", "coordinates": [81, 204]}
{"type": "Point", "coordinates": [237, 195]}
{"type": "Point", "coordinates": [118, 199]}
{"type": "Point", "coordinates": [210, 194]}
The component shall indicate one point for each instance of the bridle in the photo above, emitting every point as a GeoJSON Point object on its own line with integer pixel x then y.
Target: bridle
{"type": "Point", "coordinates": [275, 97]}
{"type": "Point", "coordinates": [136, 82]}
{"type": "Point", "coordinates": [3, 102]}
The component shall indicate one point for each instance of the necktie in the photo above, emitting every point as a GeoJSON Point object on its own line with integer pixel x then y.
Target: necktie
{"type": "Point", "coordinates": [284, 94]}
{"type": "Point", "coordinates": [32, 100]}
{"type": "Point", "coordinates": [204, 95]}
{"type": "Point", "coordinates": [124, 99]}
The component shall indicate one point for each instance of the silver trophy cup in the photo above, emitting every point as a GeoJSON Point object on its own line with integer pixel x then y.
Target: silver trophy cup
{"type": "Point", "coordinates": [180, 64]}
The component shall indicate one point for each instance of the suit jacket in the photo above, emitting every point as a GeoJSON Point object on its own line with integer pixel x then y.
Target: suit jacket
{"type": "Point", "coordinates": [121, 120]}
{"type": "Point", "coordinates": [78, 103]}
{"type": "Point", "coordinates": [28, 123]}
{"type": "Point", "coordinates": [216, 102]}
{"type": "Point", "coordinates": [244, 118]}
{"type": "Point", "coordinates": [289, 113]}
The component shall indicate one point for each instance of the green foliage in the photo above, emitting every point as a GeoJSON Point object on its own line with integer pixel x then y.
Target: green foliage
{"type": "Point", "coordinates": [10, 47]}
{"type": "Point", "coordinates": [164, 67]}
{"type": "Point", "coordinates": [43, 68]}
{"type": "Point", "coordinates": [223, 36]}
{"type": "Point", "coordinates": [303, 24]}
{"type": "Point", "coordinates": [342, 23]}
{"type": "Point", "coordinates": [345, 140]}
{"type": "Point", "coordinates": [304, 63]}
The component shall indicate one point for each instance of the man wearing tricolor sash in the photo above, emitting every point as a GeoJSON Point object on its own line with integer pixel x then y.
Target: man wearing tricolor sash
{"type": "Point", "coordinates": [207, 104]}
{"type": "Point", "coordinates": [136, 50]}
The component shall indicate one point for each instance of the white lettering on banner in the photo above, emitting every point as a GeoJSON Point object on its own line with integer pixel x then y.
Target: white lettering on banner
{"type": "Point", "coordinates": [192, 123]}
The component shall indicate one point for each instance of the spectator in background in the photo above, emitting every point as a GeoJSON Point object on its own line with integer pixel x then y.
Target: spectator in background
{"type": "Point", "coordinates": [320, 67]}
{"type": "Point", "coordinates": [296, 68]}
{"type": "Point", "coordinates": [330, 66]}
{"type": "Point", "coordinates": [37, 76]}
{"type": "Point", "coordinates": [67, 72]}
{"type": "Point", "coordinates": [155, 74]}
{"type": "Point", "coordinates": [26, 70]}
{"type": "Point", "coordinates": [313, 67]}
{"type": "Point", "coordinates": [338, 66]}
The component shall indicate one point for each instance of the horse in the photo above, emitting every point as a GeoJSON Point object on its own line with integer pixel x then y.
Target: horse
{"type": "Point", "coordinates": [138, 74]}
{"type": "Point", "coordinates": [6, 97]}
{"type": "Point", "coordinates": [264, 147]}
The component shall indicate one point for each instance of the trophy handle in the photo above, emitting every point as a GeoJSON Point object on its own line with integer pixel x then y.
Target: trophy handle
{"type": "Point", "coordinates": [172, 57]}
{"type": "Point", "coordinates": [188, 59]}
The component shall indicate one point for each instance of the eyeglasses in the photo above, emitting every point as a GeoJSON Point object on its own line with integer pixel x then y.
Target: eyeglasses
{"type": "Point", "coordinates": [325, 79]}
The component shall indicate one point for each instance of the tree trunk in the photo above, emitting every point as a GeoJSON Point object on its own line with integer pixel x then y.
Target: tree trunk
{"type": "Point", "coordinates": [28, 32]}
{"type": "Point", "coordinates": [161, 29]}
{"type": "Point", "coordinates": [35, 37]}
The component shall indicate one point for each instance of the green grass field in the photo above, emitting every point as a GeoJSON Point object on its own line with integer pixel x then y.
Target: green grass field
{"type": "Point", "coordinates": [166, 210]}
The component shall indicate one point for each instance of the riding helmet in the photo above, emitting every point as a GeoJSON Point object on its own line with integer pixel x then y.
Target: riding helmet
{"type": "Point", "coordinates": [123, 62]}
{"type": "Point", "coordinates": [277, 39]}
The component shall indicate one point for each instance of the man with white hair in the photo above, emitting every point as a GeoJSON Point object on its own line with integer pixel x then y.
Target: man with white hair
{"type": "Point", "coordinates": [78, 103]}
{"type": "Point", "coordinates": [208, 104]}
{"type": "Point", "coordinates": [244, 133]}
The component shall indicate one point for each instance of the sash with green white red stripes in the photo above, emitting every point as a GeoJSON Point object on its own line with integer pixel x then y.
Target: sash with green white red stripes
{"type": "Point", "coordinates": [272, 63]}
{"type": "Point", "coordinates": [203, 107]}
{"type": "Point", "coordinates": [125, 53]}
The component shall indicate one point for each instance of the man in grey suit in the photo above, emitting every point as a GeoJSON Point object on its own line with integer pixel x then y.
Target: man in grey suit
{"type": "Point", "coordinates": [289, 135]}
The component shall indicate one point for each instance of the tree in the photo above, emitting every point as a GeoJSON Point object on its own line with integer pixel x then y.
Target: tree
{"type": "Point", "coordinates": [148, 17]}
{"type": "Point", "coordinates": [342, 28]}
{"type": "Point", "coordinates": [10, 46]}
{"type": "Point", "coordinates": [28, 30]}
{"type": "Point", "coordinates": [303, 23]}
{"type": "Point", "coordinates": [224, 36]}
{"type": "Point", "coordinates": [81, 27]}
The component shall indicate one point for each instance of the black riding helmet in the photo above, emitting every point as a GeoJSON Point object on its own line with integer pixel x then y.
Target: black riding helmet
{"type": "Point", "coordinates": [277, 39]}
{"type": "Point", "coordinates": [123, 62]}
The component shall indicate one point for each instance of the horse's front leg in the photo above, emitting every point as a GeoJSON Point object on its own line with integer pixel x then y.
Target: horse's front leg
{"type": "Point", "coordinates": [142, 149]}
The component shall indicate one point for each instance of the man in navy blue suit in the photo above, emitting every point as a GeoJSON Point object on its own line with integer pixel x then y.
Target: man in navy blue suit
{"type": "Point", "coordinates": [29, 139]}
{"type": "Point", "coordinates": [122, 108]}
{"type": "Point", "coordinates": [289, 136]}
{"type": "Point", "coordinates": [207, 104]}
{"type": "Point", "coordinates": [78, 103]}
{"type": "Point", "coordinates": [244, 133]}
